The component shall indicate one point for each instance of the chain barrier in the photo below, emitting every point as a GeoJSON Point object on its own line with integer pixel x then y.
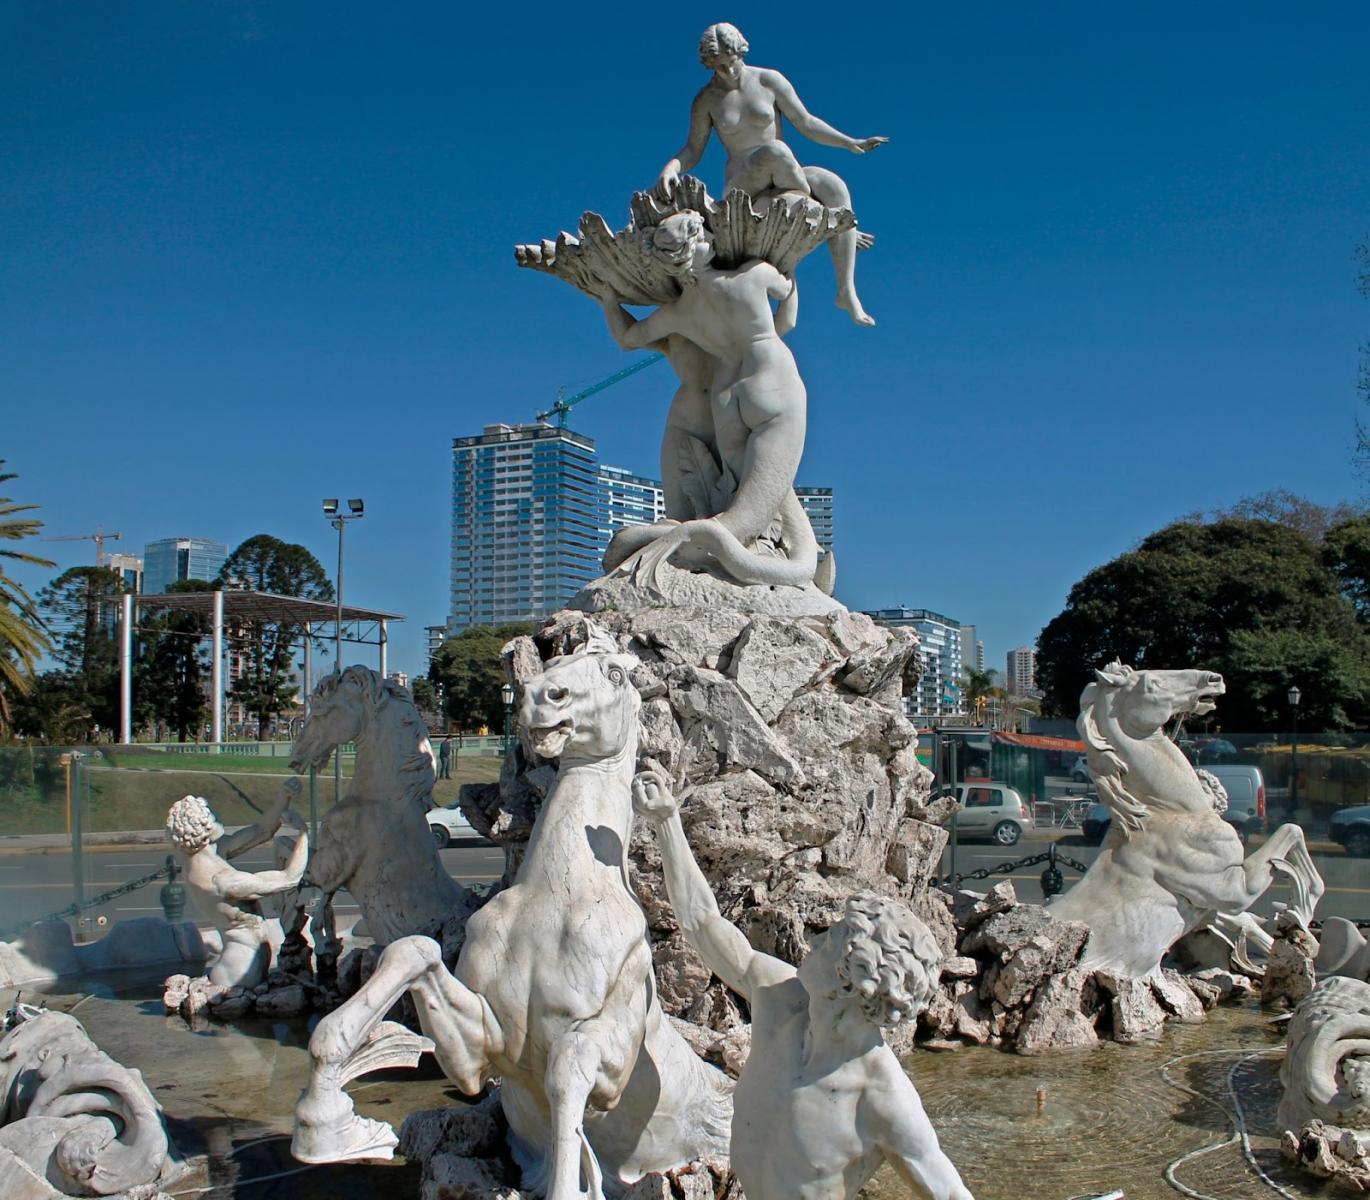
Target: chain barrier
{"type": "Point", "coordinates": [1052, 880]}
{"type": "Point", "coordinates": [168, 872]}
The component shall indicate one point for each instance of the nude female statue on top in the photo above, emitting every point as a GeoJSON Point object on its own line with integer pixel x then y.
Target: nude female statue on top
{"type": "Point", "coordinates": [744, 106]}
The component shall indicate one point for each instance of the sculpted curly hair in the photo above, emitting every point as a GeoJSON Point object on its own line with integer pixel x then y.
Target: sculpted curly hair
{"type": "Point", "coordinates": [721, 39]}
{"type": "Point", "coordinates": [889, 960]}
{"type": "Point", "coordinates": [190, 824]}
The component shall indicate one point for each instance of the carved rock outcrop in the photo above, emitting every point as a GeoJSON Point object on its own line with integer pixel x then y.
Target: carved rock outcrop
{"type": "Point", "coordinates": [800, 775]}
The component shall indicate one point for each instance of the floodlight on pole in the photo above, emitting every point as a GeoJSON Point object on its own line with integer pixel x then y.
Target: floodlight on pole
{"type": "Point", "coordinates": [357, 507]}
{"type": "Point", "coordinates": [1293, 695]}
{"type": "Point", "coordinates": [330, 507]}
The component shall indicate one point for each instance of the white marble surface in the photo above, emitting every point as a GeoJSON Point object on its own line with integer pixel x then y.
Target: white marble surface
{"type": "Point", "coordinates": [73, 1117]}
{"type": "Point", "coordinates": [1170, 861]}
{"type": "Point", "coordinates": [376, 843]}
{"type": "Point", "coordinates": [821, 1101]}
{"type": "Point", "coordinates": [552, 992]}
{"type": "Point", "coordinates": [227, 898]}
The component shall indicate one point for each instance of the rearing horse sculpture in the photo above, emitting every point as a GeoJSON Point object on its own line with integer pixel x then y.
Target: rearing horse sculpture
{"type": "Point", "coordinates": [376, 843]}
{"type": "Point", "coordinates": [1170, 861]}
{"type": "Point", "coordinates": [553, 991]}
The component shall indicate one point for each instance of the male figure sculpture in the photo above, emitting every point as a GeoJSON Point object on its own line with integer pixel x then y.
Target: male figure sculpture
{"type": "Point", "coordinates": [744, 106]}
{"type": "Point", "coordinates": [822, 1100]}
{"type": "Point", "coordinates": [226, 896]}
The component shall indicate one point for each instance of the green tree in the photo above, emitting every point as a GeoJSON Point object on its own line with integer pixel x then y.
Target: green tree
{"type": "Point", "coordinates": [169, 677]}
{"type": "Point", "coordinates": [1346, 550]}
{"type": "Point", "coordinates": [425, 695]}
{"type": "Point", "coordinates": [977, 687]}
{"type": "Point", "coordinates": [266, 684]}
{"type": "Point", "coordinates": [469, 668]}
{"type": "Point", "coordinates": [55, 710]}
{"type": "Point", "coordinates": [81, 607]}
{"type": "Point", "coordinates": [23, 636]}
{"type": "Point", "coordinates": [1229, 597]}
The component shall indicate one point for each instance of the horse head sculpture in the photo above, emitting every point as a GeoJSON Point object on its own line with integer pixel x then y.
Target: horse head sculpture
{"type": "Point", "coordinates": [583, 705]}
{"type": "Point", "coordinates": [360, 706]}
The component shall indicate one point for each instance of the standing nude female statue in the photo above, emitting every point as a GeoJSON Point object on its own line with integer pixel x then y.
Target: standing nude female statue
{"type": "Point", "coordinates": [757, 401]}
{"type": "Point", "coordinates": [744, 105]}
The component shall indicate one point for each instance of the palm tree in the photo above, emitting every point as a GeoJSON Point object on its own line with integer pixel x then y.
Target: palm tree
{"type": "Point", "coordinates": [976, 688]}
{"type": "Point", "coordinates": [23, 636]}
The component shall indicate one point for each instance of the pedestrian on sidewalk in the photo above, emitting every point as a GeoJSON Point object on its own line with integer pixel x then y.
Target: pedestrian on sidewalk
{"type": "Point", "coordinates": [445, 757]}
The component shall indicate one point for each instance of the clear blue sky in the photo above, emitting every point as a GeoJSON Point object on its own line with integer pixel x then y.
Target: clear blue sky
{"type": "Point", "coordinates": [260, 253]}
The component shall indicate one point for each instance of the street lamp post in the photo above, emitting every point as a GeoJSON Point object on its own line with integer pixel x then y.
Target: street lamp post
{"type": "Point", "coordinates": [1293, 696]}
{"type": "Point", "coordinates": [356, 510]}
{"type": "Point", "coordinates": [506, 693]}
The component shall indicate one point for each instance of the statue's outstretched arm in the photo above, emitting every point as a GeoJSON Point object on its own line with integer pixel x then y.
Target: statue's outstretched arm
{"type": "Point", "coordinates": [723, 947]}
{"type": "Point", "coordinates": [692, 151]}
{"type": "Point", "coordinates": [787, 100]}
{"type": "Point", "coordinates": [632, 334]}
{"type": "Point", "coordinates": [249, 837]}
{"type": "Point", "coordinates": [233, 884]}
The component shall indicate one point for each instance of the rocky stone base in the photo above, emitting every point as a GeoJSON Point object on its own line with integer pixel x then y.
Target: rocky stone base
{"type": "Point", "coordinates": [1289, 969]}
{"type": "Point", "coordinates": [1330, 1152]}
{"type": "Point", "coordinates": [1012, 979]}
{"type": "Point", "coordinates": [799, 775]}
{"type": "Point", "coordinates": [465, 1155]}
{"type": "Point", "coordinates": [293, 987]}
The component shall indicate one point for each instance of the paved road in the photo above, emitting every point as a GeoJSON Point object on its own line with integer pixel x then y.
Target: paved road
{"type": "Point", "coordinates": [33, 885]}
{"type": "Point", "coordinates": [1347, 879]}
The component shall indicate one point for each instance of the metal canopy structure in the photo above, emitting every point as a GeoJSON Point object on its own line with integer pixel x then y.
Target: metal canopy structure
{"type": "Point", "coordinates": [314, 618]}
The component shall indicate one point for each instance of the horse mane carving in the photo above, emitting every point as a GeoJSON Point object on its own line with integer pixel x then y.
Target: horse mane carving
{"type": "Point", "coordinates": [1113, 675]}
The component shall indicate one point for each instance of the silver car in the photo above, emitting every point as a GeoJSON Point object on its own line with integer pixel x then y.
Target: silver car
{"type": "Point", "coordinates": [992, 810]}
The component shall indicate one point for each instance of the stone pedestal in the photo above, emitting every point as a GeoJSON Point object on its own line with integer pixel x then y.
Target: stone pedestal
{"type": "Point", "coordinates": [783, 732]}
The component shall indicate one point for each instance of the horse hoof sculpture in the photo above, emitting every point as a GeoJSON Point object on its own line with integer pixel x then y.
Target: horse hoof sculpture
{"type": "Point", "coordinates": [1170, 862]}
{"type": "Point", "coordinates": [553, 991]}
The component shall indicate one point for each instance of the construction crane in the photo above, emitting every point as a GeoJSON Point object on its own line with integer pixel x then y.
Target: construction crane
{"type": "Point", "coordinates": [565, 403]}
{"type": "Point", "coordinates": [99, 537]}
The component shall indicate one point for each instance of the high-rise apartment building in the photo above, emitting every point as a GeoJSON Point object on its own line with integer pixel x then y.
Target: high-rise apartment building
{"type": "Point", "coordinates": [817, 505]}
{"type": "Point", "coordinates": [630, 500]}
{"type": "Point", "coordinates": [939, 687]}
{"type": "Point", "coordinates": [528, 515]}
{"type": "Point", "coordinates": [1021, 676]}
{"type": "Point", "coordinates": [533, 512]}
{"type": "Point", "coordinates": [173, 559]}
{"type": "Point", "coordinates": [972, 648]}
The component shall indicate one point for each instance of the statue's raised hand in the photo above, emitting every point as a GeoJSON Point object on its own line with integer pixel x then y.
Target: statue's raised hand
{"type": "Point", "coordinates": [652, 795]}
{"type": "Point", "coordinates": [861, 145]}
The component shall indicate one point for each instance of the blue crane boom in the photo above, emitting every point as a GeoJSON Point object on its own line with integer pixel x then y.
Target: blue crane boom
{"type": "Point", "coordinates": [565, 403]}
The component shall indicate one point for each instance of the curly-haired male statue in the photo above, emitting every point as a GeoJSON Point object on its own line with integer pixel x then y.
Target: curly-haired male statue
{"type": "Point", "coordinates": [228, 897]}
{"type": "Point", "coordinates": [822, 1100]}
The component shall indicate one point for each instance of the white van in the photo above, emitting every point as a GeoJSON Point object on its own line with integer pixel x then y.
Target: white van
{"type": "Point", "coordinates": [1245, 788]}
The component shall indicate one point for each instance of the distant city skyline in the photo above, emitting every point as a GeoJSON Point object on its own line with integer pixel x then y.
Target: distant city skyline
{"type": "Point", "coordinates": [260, 254]}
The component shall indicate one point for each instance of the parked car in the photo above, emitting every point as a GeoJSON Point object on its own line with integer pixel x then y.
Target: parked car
{"type": "Point", "coordinates": [1213, 750]}
{"type": "Point", "coordinates": [1351, 828]}
{"type": "Point", "coordinates": [1079, 769]}
{"type": "Point", "coordinates": [992, 810]}
{"type": "Point", "coordinates": [1245, 788]}
{"type": "Point", "coordinates": [448, 825]}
